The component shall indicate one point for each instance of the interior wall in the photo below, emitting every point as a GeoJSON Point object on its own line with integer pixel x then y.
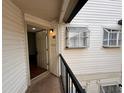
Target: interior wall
{"type": "Point", "coordinates": [14, 65]}
{"type": "Point", "coordinates": [32, 43]}
{"type": "Point", "coordinates": [32, 48]}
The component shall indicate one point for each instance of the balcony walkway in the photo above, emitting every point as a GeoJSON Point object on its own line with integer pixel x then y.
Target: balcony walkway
{"type": "Point", "coordinates": [50, 84]}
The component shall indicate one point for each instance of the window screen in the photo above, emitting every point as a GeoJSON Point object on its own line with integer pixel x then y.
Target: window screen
{"type": "Point", "coordinates": [110, 89]}
{"type": "Point", "coordinates": [112, 38]}
{"type": "Point", "coordinates": [76, 37]}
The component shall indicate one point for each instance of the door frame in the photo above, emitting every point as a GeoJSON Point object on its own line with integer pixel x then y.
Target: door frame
{"type": "Point", "coordinates": [27, 52]}
{"type": "Point", "coordinates": [27, 55]}
{"type": "Point", "coordinates": [29, 19]}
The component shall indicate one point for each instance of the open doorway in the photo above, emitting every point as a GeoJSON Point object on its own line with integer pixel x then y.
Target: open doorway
{"type": "Point", "coordinates": [38, 50]}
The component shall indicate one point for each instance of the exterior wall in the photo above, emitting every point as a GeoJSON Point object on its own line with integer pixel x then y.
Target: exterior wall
{"type": "Point", "coordinates": [53, 58]}
{"type": "Point", "coordinates": [92, 82]}
{"type": "Point", "coordinates": [14, 53]}
{"type": "Point", "coordinates": [94, 59]}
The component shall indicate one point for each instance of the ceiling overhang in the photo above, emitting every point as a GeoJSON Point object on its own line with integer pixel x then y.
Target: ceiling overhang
{"type": "Point", "coordinates": [51, 10]}
{"type": "Point", "coordinates": [72, 9]}
{"type": "Point", "coordinates": [48, 10]}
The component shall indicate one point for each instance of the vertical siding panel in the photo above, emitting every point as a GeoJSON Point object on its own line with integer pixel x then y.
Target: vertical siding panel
{"type": "Point", "coordinates": [14, 55]}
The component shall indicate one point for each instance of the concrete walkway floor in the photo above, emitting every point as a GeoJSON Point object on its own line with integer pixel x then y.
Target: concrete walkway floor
{"type": "Point", "coordinates": [50, 84]}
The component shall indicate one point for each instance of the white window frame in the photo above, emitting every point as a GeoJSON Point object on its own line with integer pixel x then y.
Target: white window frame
{"type": "Point", "coordinates": [108, 40]}
{"type": "Point", "coordinates": [102, 89]}
{"type": "Point", "coordinates": [86, 37]}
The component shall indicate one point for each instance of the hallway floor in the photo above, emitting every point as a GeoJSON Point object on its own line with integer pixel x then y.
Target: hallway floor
{"type": "Point", "coordinates": [50, 84]}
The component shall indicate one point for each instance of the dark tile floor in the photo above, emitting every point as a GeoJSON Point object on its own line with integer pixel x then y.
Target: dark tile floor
{"type": "Point", "coordinates": [35, 71]}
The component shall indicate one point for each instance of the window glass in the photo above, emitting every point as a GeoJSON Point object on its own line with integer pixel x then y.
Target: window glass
{"type": "Point", "coordinates": [111, 38]}
{"type": "Point", "coordinates": [77, 37]}
{"type": "Point", "coordinates": [120, 38]}
{"type": "Point", "coordinates": [106, 35]}
{"type": "Point", "coordinates": [110, 89]}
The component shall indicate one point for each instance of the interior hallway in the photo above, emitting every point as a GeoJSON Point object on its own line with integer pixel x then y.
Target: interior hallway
{"type": "Point", "coordinates": [50, 84]}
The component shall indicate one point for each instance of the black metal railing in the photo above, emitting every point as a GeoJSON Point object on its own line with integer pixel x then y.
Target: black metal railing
{"type": "Point", "coordinates": [69, 81]}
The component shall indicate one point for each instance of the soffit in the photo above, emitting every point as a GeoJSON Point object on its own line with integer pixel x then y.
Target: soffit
{"type": "Point", "coordinates": [45, 9]}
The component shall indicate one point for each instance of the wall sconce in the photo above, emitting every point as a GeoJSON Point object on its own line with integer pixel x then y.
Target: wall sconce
{"type": "Point", "coordinates": [52, 33]}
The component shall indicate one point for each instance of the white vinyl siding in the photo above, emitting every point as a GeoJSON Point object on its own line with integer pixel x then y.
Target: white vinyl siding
{"type": "Point", "coordinates": [96, 14]}
{"type": "Point", "coordinates": [14, 55]}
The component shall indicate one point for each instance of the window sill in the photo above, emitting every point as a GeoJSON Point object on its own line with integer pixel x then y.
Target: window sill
{"type": "Point", "coordinates": [105, 46]}
{"type": "Point", "coordinates": [76, 47]}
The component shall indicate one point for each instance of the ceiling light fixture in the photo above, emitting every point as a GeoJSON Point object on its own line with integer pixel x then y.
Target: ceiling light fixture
{"type": "Point", "coordinates": [33, 28]}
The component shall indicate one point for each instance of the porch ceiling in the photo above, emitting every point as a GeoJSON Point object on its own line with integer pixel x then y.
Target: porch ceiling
{"type": "Point", "coordinates": [48, 10]}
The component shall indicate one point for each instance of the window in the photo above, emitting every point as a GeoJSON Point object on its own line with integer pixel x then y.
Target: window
{"type": "Point", "coordinates": [111, 38]}
{"type": "Point", "coordinates": [76, 37]}
{"type": "Point", "coordinates": [110, 89]}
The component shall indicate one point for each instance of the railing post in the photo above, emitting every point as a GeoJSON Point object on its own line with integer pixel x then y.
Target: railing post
{"type": "Point", "coordinates": [68, 75]}
{"type": "Point", "coordinates": [66, 81]}
{"type": "Point", "coordinates": [61, 66]}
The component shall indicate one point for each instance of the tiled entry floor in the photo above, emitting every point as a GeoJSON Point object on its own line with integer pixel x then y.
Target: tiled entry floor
{"type": "Point", "coordinates": [35, 71]}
